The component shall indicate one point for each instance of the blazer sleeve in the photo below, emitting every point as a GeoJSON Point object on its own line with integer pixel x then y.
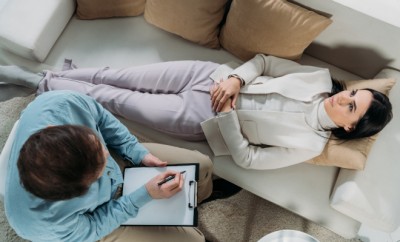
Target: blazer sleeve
{"type": "Point", "coordinates": [262, 65]}
{"type": "Point", "coordinates": [254, 157]}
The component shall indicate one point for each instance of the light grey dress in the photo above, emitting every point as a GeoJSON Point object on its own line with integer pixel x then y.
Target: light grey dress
{"type": "Point", "coordinates": [172, 97]}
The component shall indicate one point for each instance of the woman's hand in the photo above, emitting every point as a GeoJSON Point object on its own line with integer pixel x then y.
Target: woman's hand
{"type": "Point", "coordinates": [220, 93]}
{"type": "Point", "coordinates": [151, 160]}
{"type": "Point", "coordinates": [167, 189]}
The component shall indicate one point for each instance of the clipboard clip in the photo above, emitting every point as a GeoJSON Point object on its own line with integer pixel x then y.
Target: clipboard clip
{"type": "Point", "coordinates": [192, 194]}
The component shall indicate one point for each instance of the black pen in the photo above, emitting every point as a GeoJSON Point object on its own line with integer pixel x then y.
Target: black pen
{"type": "Point", "coordinates": [168, 178]}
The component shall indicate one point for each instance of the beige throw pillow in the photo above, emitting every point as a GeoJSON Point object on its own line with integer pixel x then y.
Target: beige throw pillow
{"type": "Point", "coordinates": [352, 154]}
{"type": "Point", "coordinates": [95, 9]}
{"type": "Point", "coordinates": [273, 27]}
{"type": "Point", "coordinates": [194, 20]}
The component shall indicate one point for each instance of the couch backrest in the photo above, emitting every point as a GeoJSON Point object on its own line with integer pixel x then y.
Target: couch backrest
{"type": "Point", "coordinates": [354, 41]}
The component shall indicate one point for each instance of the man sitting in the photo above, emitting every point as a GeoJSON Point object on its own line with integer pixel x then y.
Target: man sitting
{"type": "Point", "coordinates": [62, 184]}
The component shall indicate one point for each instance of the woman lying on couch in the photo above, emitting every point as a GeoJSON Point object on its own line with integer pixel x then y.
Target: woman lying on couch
{"type": "Point", "coordinates": [266, 113]}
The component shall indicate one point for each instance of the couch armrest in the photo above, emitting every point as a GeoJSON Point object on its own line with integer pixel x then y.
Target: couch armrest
{"type": "Point", "coordinates": [372, 196]}
{"type": "Point", "coordinates": [30, 28]}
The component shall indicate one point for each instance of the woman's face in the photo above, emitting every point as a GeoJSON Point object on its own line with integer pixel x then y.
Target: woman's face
{"type": "Point", "coordinates": [346, 108]}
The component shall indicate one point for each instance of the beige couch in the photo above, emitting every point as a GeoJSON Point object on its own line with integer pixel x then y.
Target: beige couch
{"type": "Point", "coordinates": [339, 199]}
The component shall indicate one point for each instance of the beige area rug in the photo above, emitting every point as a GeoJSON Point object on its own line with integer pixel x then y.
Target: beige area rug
{"type": "Point", "coordinates": [240, 218]}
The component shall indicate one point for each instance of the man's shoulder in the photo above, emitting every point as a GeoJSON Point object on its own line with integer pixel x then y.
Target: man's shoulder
{"type": "Point", "coordinates": [55, 108]}
{"type": "Point", "coordinates": [58, 95]}
{"type": "Point", "coordinates": [61, 100]}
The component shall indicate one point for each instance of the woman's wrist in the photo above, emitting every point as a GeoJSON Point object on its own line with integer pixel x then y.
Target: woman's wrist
{"type": "Point", "coordinates": [227, 106]}
{"type": "Point", "coordinates": [222, 114]}
{"type": "Point", "coordinates": [241, 81]}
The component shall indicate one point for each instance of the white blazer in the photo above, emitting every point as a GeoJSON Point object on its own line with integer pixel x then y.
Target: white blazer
{"type": "Point", "coordinates": [258, 139]}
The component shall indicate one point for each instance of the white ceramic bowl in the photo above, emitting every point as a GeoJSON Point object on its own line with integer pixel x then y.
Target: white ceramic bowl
{"type": "Point", "coordinates": [288, 236]}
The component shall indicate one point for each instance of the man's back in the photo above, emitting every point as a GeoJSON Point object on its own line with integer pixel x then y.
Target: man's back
{"type": "Point", "coordinates": [78, 218]}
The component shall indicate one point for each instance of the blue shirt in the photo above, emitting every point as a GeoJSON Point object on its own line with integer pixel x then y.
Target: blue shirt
{"type": "Point", "coordinates": [93, 215]}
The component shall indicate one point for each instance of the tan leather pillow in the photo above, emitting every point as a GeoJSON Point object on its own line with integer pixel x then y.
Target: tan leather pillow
{"type": "Point", "coordinates": [95, 9]}
{"type": "Point", "coordinates": [194, 20]}
{"type": "Point", "coordinates": [271, 27]}
{"type": "Point", "coordinates": [352, 154]}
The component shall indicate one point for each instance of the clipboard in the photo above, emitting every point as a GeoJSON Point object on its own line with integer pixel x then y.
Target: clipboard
{"type": "Point", "coordinates": [178, 210]}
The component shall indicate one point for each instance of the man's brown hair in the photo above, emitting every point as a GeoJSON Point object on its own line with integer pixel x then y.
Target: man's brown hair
{"type": "Point", "coordinates": [60, 162]}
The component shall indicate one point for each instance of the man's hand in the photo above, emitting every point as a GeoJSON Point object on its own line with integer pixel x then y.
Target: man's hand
{"type": "Point", "coordinates": [220, 93]}
{"type": "Point", "coordinates": [167, 189]}
{"type": "Point", "coordinates": [151, 160]}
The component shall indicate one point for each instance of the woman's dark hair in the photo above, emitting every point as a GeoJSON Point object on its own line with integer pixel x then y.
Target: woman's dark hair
{"type": "Point", "coordinates": [60, 162]}
{"type": "Point", "coordinates": [374, 120]}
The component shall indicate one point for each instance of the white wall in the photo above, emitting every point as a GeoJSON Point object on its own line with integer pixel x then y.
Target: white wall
{"type": "Point", "coordinates": [355, 41]}
{"type": "Point", "coordinates": [2, 3]}
{"type": "Point", "coordinates": [385, 10]}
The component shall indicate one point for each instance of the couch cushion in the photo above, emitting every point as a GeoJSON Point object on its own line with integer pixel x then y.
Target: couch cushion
{"type": "Point", "coordinates": [352, 154]}
{"type": "Point", "coordinates": [30, 28]}
{"type": "Point", "coordinates": [194, 20]}
{"type": "Point", "coordinates": [95, 9]}
{"type": "Point", "coordinates": [272, 27]}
